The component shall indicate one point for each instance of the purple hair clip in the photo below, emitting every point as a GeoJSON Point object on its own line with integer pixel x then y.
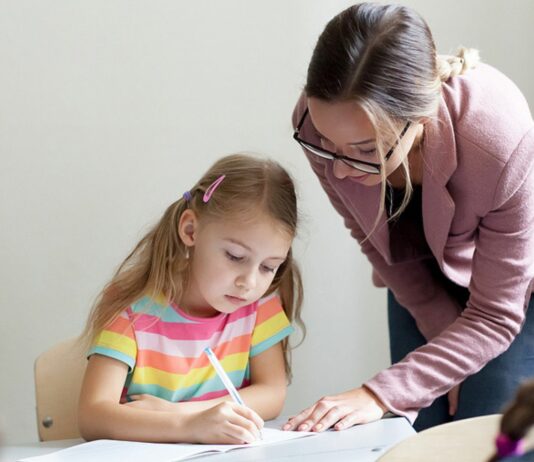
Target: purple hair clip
{"type": "Point", "coordinates": [506, 446]}
{"type": "Point", "coordinates": [211, 188]}
{"type": "Point", "coordinates": [187, 196]}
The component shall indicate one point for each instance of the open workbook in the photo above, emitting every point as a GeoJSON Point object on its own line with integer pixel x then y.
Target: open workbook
{"type": "Point", "coordinates": [120, 451]}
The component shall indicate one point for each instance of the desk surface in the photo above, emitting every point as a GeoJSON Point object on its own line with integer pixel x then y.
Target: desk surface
{"type": "Point", "coordinates": [469, 440]}
{"type": "Point", "coordinates": [364, 443]}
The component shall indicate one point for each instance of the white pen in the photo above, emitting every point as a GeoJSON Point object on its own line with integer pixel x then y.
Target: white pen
{"type": "Point", "coordinates": [232, 391]}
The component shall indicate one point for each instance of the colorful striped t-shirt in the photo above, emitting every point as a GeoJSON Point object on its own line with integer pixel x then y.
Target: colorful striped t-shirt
{"type": "Point", "coordinates": [164, 347]}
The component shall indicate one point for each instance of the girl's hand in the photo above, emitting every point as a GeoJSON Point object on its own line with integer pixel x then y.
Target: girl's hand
{"type": "Point", "coordinates": [340, 411]}
{"type": "Point", "coordinates": [453, 395]}
{"type": "Point", "coordinates": [225, 423]}
{"type": "Point", "coordinates": [150, 402]}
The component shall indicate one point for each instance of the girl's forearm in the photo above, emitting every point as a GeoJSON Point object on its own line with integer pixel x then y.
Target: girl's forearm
{"type": "Point", "coordinates": [116, 421]}
{"type": "Point", "coordinates": [266, 399]}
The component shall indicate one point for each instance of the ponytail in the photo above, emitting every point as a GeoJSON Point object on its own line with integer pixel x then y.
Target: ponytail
{"type": "Point", "coordinates": [451, 66]}
{"type": "Point", "coordinates": [168, 255]}
{"type": "Point", "coordinates": [288, 284]}
{"type": "Point", "coordinates": [150, 268]}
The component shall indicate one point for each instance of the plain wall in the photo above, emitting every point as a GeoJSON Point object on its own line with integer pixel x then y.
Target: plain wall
{"type": "Point", "coordinates": [109, 110]}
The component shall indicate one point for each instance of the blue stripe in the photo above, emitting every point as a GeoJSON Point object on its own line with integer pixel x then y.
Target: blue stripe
{"type": "Point", "coordinates": [118, 355]}
{"type": "Point", "coordinates": [268, 343]}
{"type": "Point", "coordinates": [166, 313]}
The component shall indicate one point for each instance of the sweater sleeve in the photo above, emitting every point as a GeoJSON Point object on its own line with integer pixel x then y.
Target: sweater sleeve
{"type": "Point", "coordinates": [500, 291]}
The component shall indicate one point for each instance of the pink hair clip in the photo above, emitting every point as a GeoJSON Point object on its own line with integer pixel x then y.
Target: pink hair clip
{"type": "Point", "coordinates": [506, 446]}
{"type": "Point", "coordinates": [211, 188]}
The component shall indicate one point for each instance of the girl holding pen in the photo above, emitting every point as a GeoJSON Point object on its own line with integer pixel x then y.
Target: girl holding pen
{"type": "Point", "coordinates": [215, 272]}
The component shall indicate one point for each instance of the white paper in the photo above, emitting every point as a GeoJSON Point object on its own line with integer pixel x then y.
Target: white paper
{"type": "Point", "coordinates": [121, 451]}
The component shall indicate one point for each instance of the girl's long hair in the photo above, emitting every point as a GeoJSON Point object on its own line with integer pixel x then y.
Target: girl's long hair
{"type": "Point", "coordinates": [158, 266]}
{"type": "Point", "coordinates": [383, 57]}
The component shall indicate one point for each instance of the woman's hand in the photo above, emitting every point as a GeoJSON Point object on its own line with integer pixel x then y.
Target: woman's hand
{"type": "Point", "coordinates": [150, 402]}
{"type": "Point", "coordinates": [225, 423]}
{"type": "Point", "coordinates": [340, 411]}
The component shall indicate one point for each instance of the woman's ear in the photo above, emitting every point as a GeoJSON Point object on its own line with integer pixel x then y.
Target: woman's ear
{"type": "Point", "coordinates": [187, 227]}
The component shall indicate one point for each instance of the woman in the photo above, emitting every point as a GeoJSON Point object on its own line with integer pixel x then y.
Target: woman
{"type": "Point", "coordinates": [431, 163]}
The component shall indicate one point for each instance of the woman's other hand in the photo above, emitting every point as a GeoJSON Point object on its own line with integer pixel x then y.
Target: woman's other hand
{"type": "Point", "coordinates": [339, 411]}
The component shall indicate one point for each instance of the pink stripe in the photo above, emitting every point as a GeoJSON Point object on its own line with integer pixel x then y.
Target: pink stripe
{"type": "Point", "coordinates": [217, 394]}
{"type": "Point", "coordinates": [184, 331]}
{"type": "Point", "coordinates": [183, 364]}
{"type": "Point", "coordinates": [193, 348]}
{"type": "Point", "coordinates": [240, 313]}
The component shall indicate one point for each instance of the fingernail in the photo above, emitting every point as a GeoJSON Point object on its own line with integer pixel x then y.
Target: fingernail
{"type": "Point", "coordinates": [285, 427]}
{"type": "Point", "coordinates": [303, 427]}
{"type": "Point", "coordinates": [318, 426]}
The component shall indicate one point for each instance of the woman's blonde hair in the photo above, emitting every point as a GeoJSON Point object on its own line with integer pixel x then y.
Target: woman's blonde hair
{"type": "Point", "coordinates": [158, 264]}
{"type": "Point", "coordinates": [383, 58]}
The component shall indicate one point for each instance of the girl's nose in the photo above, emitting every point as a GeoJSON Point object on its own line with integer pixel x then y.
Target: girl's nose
{"type": "Point", "coordinates": [246, 280]}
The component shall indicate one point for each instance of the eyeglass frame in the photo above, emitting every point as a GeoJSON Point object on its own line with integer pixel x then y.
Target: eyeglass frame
{"type": "Point", "coordinates": [345, 159]}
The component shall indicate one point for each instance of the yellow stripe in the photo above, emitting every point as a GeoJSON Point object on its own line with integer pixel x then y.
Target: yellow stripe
{"type": "Point", "coordinates": [270, 327]}
{"type": "Point", "coordinates": [114, 341]}
{"type": "Point", "coordinates": [149, 375]}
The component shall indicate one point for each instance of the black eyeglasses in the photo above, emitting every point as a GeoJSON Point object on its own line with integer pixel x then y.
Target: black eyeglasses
{"type": "Point", "coordinates": [367, 167]}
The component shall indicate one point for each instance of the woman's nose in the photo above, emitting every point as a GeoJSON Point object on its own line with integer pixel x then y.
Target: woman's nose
{"type": "Point", "coordinates": [341, 170]}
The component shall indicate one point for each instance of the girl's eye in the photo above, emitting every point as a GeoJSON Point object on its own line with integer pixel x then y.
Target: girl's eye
{"type": "Point", "coordinates": [233, 257]}
{"type": "Point", "coordinates": [268, 269]}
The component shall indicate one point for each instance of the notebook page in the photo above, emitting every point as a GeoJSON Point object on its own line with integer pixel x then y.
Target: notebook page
{"type": "Point", "coordinates": [119, 451]}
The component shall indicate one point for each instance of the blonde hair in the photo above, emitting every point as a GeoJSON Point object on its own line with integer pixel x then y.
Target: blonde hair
{"type": "Point", "coordinates": [158, 264]}
{"type": "Point", "coordinates": [518, 417]}
{"type": "Point", "coordinates": [383, 57]}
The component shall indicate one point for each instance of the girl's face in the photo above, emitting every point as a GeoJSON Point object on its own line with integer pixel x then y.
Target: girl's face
{"type": "Point", "coordinates": [233, 262]}
{"type": "Point", "coordinates": [344, 127]}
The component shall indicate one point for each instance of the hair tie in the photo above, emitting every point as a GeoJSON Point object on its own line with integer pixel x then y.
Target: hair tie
{"type": "Point", "coordinates": [211, 188]}
{"type": "Point", "coordinates": [187, 196]}
{"type": "Point", "coordinates": [506, 446]}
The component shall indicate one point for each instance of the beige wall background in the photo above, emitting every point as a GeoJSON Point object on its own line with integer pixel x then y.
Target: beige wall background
{"type": "Point", "coordinates": [110, 109]}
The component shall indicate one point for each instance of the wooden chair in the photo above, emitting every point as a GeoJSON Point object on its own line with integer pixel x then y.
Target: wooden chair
{"type": "Point", "coordinates": [469, 440]}
{"type": "Point", "coordinates": [58, 374]}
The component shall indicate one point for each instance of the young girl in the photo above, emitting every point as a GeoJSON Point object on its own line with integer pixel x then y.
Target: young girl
{"type": "Point", "coordinates": [216, 271]}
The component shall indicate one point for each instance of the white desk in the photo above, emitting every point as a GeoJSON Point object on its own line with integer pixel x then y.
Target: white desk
{"type": "Point", "coordinates": [363, 443]}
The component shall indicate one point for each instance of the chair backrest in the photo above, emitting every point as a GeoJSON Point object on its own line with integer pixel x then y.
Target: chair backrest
{"type": "Point", "coordinates": [58, 377]}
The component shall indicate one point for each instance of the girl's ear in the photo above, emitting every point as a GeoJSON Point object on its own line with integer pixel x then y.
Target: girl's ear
{"type": "Point", "coordinates": [187, 227]}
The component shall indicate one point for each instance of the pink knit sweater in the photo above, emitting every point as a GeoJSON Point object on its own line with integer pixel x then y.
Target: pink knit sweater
{"type": "Point", "coordinates": [478, 215]}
